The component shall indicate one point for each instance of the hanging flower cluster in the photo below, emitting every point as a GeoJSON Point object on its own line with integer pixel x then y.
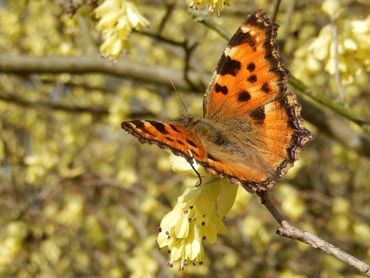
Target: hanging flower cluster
{"type": "Point", "coordinates": [353, 46]}
{"type": "Point", "coordinates": [117, 19]}
{"type": "Point", "coordinates": [212, 5]}
{"type": "Point", "coordinates": [196, 218]}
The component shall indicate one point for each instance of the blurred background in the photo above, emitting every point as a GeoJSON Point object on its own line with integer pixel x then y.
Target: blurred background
{"type": "Point", "coordinates": [79, 197]}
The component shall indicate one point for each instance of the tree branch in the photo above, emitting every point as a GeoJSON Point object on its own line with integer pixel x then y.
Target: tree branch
{"type": "Point", "coordinates": [170, 8]}
{"type": "Point", "coordinates": [207, 21]}
{"type": "Point", "coordinates": [324, 100]}
{"type": "Point", "coordinates": [276, 10]}
{"type": "Point", "coordinates": [97, 111]}
{"type": "Point", "coordinates": [289, 231]}
{"type": "Point", "coordinates": [92, 64]}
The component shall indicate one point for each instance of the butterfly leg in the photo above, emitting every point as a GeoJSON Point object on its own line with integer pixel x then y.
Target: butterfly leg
{"type": "Point", "coordinates": [199, 177]}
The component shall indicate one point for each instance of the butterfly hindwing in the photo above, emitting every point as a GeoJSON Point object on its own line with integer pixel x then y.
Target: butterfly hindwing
{"type": "Point", "coordinates": [280, 129]}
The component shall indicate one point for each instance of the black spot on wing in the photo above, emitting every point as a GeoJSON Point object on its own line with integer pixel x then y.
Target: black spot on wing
{"type": "Point", "coordinates": [211, 157]}
{"type": "Point", "coordinates": [226, 65]}
{"type": "Point", "coordinates": [174, 128]}
{"type": "Point", "coordinates": [169, 139]}
{"type": "Point", "coordinates": [265, 88]}
{"type": "Point", "coordinates": [221, 89]}
{"type": "Point", "coordinates": [251, 67]}
{"type": "Point", "coordinates": [258, 115]}
{"type": "Point", "coordinates": [139, 124]}
{"type": "Point", "coordinates": [249, 39]}
{"type": "Point", "coordinates": [159, 126]}
{"type": "Point", "coordinates": [180, 142]}
{"type": "Point", "coordinates": [252, 78]}
{"type": "Point", "coordinates": [244, 96]}
{"type": "Point", "coordinates": [191, 143]}
{"type": "Point", "coordinates": [240, 37]}
{"type": "Point", "coordinates": [194, 153]}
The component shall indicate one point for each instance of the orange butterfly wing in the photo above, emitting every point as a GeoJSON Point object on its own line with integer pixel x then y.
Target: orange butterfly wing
{"type": "Point", "coordinates": [174, 137]}
{"type": "Point", "coordinates": [183, 142]}
{"type": "Point", "coordinates": [250, 85]}
{"type": "Point", "coordinates": [247, 93]}
{"type": "Point", "coordinates": [250, 72]}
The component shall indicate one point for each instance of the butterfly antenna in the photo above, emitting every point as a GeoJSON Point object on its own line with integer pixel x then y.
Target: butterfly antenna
{"type": "Point", "coordinates": [182, 102]}
{"type": "Point", "coordinates": [199, 177]}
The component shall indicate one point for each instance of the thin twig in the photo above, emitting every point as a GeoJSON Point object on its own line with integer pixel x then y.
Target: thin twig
{"type": "Point", "coordinates": [323, 99]}
{"type": "Point", "coordinates": [276, 10]}
{"type": "Point", "coordinates": [289, 231]}
{"type": "Point", "coordinates": [170, 7]}
{"type": "Point", "coordinates": [210, 23]}
{"type": "Point", "coordinates": [288, 18]}
{"type": "Point", "coordinates": [189, 49]}
{"type": "Point", "coordinates": [160, 38]}
{"type": "Point", "coordinates": [338, 83]}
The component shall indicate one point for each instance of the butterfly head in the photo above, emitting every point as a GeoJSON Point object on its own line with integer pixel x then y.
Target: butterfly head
{"type": "Point", "coordinates": [189, 120]}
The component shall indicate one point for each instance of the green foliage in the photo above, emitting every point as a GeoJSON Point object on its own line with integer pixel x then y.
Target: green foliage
{"type": "Point", "coordinates": [80, 198]}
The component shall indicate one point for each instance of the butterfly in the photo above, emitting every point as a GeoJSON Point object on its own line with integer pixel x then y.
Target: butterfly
{"type": "Point", "coordinates": [251, 131]}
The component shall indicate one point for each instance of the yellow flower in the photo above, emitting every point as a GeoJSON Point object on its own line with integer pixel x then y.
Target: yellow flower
{"type": "Point", "coordinates": [212, 5]}
{"type": "Point", "coordinates": [196, 218]}
{"type": "Point", "coordinates": [117, 18]}
{"type": "Point", "coordinates": [353, 54]}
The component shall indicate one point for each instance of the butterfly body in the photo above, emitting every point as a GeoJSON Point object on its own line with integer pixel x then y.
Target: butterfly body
{"type": "Point", "coordinates": [214, 133]}
{"type": "Point", "coordinates": [231, 143]}
{"type": "Point", "coordinates": [251, 130]}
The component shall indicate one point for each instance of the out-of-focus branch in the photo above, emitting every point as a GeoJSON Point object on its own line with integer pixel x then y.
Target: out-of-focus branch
{"type": "Point", "coordinates": [276, 10]}
{"type": "Point", "coordinates": [338, 82]}
{"type": "Point", "coordinates": [334, 126]}
{"type": "Point", "coordinates": [97, 111]}
{"type": "Point", "coordinates": [160, 38]}
{"type": "Point", "coordinates": [170, 8]}
{"type": "Point", "coordinates": [289, 231]}
{"type": "Point", "coordinates": [189, 49]}
{"type": "Point", "coordinates": [51, 105]}
{"type": "Point", "coordinates": [326, 101]}
{"type": "Point", "coordinates": [92, 64]}
{"type": "Point", "coordinates": [207, 21]}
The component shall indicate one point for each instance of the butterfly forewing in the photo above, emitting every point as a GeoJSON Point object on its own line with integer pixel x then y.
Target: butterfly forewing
{"type": "Point", "coordinates": [249, 85]}
{"type": "Point", "coordinates": [172, 136]}
{"type": "Point", "coordinates": [250, 72]}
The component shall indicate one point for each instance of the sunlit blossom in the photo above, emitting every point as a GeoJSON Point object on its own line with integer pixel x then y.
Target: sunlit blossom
{"type": "Point", "coordinates": [117, 19]}
{"type": "Point", "coordinates": [212, 5]}
{"type": "Point", "coordinates": [196, 218]}
{"type": "Point", "coordinates": [353, 50]}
